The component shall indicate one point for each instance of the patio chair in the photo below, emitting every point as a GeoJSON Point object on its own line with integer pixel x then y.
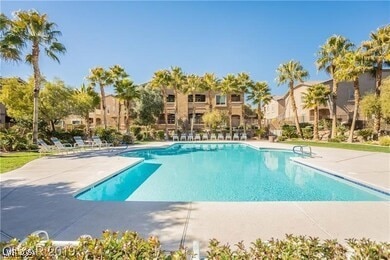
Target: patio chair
{"type": "Point", "coordinates": [220, 136]}
{"type": "Point", "coordinates": [205, 136]}
{"type": "Point", "coordinates": [243, 137]}
{"type": "Point", "coordinates": [236, 137]}
{"type": "Point", "coordinates": [62, 147]}
{"type": "Point", "coordinates": [175, 137]}
{"type": "Point", "coordinates": [213, 137]}
{"type": "Point", "coordinates": [190, 137]}
{"type": "Point", "coordinates": [99, 143]}
{"type": "Point", "coordinates": [80, 143]}
{"type": "Point", "coordinates": [183, 137]}
{"type": "Point", "coordinates": [44, 147]}
{"type": "Point", "coordinates": [228, 137]}
{"type": "Point", "coordinates": [197, 137]}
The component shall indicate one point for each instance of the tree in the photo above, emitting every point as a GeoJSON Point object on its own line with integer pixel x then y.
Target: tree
{"type": "Point", "coordinates": [210, 84]}
{"type": "Point", "coordinates": [244, 84]}
{"type": "Point", "coordinates": [32, 29]}
{"type": "Point", "coordinates": [126, 91]}
{"type": "Point", "coordinates": [85, 101]}
{"type": "Point", "coordinates": [228, 86]}
{"type": "Point", "coordinates": [334, 47]}
{"type": "Point", "coordinates": [385, 97]}
{"type": "Point", "coordinates": [260, 95]}
{"type": "Point", "coordinates": [160, 82]}
{"type": "Point", "coordinates": [350, 66]}
{"type": "Point", "coordinates": [176, 80]}
{"type": "Point", "coordinates": [102, 78]}
{"type": "Point", "coordinates": [290, 72]}
{"type": "Point", "coordinates": [213, 119]}
{"type": "Point", "coordinates": [192, 84]}
{"type": "Point", "coordinates": [315, 96]}
{"type": "Point", "coordinates": [149, 106]}
{"type": "Point", "coordinates": [56, 102]}
{"type": "Point", "coordinates": [377, 50]}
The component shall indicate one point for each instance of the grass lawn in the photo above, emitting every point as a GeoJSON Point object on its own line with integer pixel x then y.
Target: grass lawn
{"type": "Point", "coordinates": [11, 161]}
{"type": "Point", "coordinates": [357, 147]}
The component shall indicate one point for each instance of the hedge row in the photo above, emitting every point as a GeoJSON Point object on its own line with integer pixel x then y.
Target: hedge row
{"type": "Point", "coordinates": [129, 245]}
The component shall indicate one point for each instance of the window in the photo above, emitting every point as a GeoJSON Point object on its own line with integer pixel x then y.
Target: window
{"type": "Point", "coordinates": [198, 118]}
{"type": "Point", "coordinates": [199, 98]}
{"type": "Point", "coordinates": [220, 100]}
{"type": "Point", "coordinates": [76, 122]}
{"type": "Point", "coordinates": [235, 98]}
{"type": "Point", "coordinates": [171, 118]}
{"type": "Point", "coordinates": [171, 98]}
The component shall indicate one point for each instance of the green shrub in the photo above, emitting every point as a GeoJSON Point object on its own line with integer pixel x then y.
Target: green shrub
{"type": "Point", "coordinates": [366, 134]}
{"type": "Point", "coordinates": [127, 139]}
{"type": "Point", "coordinates": [109, 135]}
{"type": "Point", "coordinates": [307, 132]}
{"type": "Point", "coordinates": [139, 137]}
{"type": "Point", "coordinates": [282, 138]}
{"type": "Point", "coordinates": [13, 140]}
{"type": "Point", "coordinates": [289, 131]}
{"type": "Point", "coordinates": [160, 134]}
{"type": "Point", "coordinates": [135, 130]}
{"type": "Point", "coordinates": [129, 245]}
{"type": "Point", "coordinates": [384, 140]}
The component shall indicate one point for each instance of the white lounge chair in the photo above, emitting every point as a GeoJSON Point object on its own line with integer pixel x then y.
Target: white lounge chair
{"type": "Point", "coordinates": [99, 143]}
{"type": "Point", "coordinates": [80, 143]}
{"type": "Point", "coordinates": [197, 137]}
{"type": "Point", "coordinates": [243, 137]}
{"type": "Point", "coordinates": [190, 137]}
{"type": "Point", "coordinates": [44, 147]}
{"type": "Point", "coordinates": [175, 137]}
{"type": "Point", "coordinates": [183, 137]}
{"type": "Point", "coordinates": [205, 136]}
{"type": "Point", "coordinates": [64, 147]}
{"type": "Point", "coordinates": [220, 136]}
{"type": "Point", "coordinates": [213, 137]}
{"type": "Point", "coordinates": [228, 137]}
{"type": "Point", "coordinates": [235, 136]}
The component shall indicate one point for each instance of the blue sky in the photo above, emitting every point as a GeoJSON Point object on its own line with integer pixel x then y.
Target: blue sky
{"type": "Point", "coordinates": [220, 37]}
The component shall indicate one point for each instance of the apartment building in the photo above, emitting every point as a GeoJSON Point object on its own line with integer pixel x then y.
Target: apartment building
{"type": "Point", "coordinates": [279, 109]}
{"type": "Point", "coordinates": [199, 106]}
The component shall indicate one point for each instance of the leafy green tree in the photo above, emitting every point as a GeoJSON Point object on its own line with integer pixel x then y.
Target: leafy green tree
{"type": "Point", "coordinates": [210, 84]}
{"type": "Point", "coordinates": [290, 72]}
{"type": "Point", "coordinates": [315, 96]}
{"type": "Point", "coordinates": [213, 119]}
{"type": "Point", "coordinates": [334, 47]}
{"type": "Point", "coordinates": [260, 95]}
{"type": "Point", "coordinates": [377, 50]}
{"type": "Point", "coordinates": [192, 84]}
{"type": "Point", "coordinates": [85, 101]}
{"type": "Point", "coordinates": [149, 106]}
{"type": "Point", "coordinates": [176, 81]}
{"type": "Point", "coordinates": [56, 102]}
{"type": "Point", "coordinates": [350, 66]}
{"type": "Point", "coordinates": [102, 78]}
{"type": "Point", "coordinates": [32, 29]}
{"type": "Point", "coordinates": [160, 82]}
{"type": "Point", "coordinates": [228, 86]}
{"type": "Point", "coordinates": [370, 105]}
{"type": "Point", "coordinates": [385, 97]}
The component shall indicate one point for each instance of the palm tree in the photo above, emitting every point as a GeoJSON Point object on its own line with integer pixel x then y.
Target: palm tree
{"type": "Point", "coordinates": [126, 91]}
{"type": "Point", "coordinates": [30, 28]}
{"type": "Point", "coordinates": [290, 72]}
{"type": "Point", "coordinates": [260, 95]}
{"type": "Point", "coordinates": [377, 50]}
{"type": "Point", "coordinates": [118, 74]}
{"type": "Point", "coordinates": [192, 84]}
{"type": "Point", "coordinates": [228, 86]}
{"type": "Point", "coordinates": [210, 84]}
{"type": "Point", "coordinates": [244, 84]}
{"type": "Point", "coordinates": [160, 81]}
{"type": "Point", "coordinates": [350, 66]}
{"type": "Point", "coordinates": [334, 47]}
{"type": "Point", "coordinates": [101, 77]}
{"type": "Point", "coordinates": [86, 101]}
{"type": "Point", "coordinates": [176, 81]}
{"type": "Point", "coordinates": [315, 96]}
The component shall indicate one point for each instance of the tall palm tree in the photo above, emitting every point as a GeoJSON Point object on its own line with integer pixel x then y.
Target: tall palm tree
{"type": "Point", "coordinates": [260, 95]}
{"type": "Point", "coordinates": [160, 82]}
{"type": "Point", "coordinates": [290, 72]}
{"type": "Point", "coordinates": [350, 66]}
{"type": "Point", "coordinates": [377, 50]}
{"type": "Point", "coordinates": [244, 84]}
{"type": "Point", "coordinates": [315, 96]}
{"type": "Point", "coordinates": [102, 78]}
{"type": "Point", "coordinates": [210, 84]}
{"type": "Point", "coordinates": [118, 74]}
{"type": "Point", "coordinates": [228, 86]}
{"type": "Point", "coordinates": [127, 91]}
{"type": "Point", "coordinates": [176, 81]}
{"type": "Point", "coordinates": [334, 47]}
{"type": "Point", "coordinates": [32, 29]}
{"type": "Point", "coordinates": [191, 86]}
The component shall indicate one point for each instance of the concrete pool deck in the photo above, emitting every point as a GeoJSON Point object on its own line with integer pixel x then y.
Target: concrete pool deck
{"type": "Point", "coordinates": [39, 196]}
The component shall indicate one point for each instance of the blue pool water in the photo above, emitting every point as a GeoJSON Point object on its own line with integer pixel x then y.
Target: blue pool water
{"type": "Point", "coordinates": [224, 172]}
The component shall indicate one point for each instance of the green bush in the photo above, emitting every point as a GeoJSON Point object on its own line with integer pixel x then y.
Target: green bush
{"type": "Point", "coordinates": [160, 134]}
{"type": "Point", "coordinates": [13, 140]}
{"type": "Point", "coordinates": [289, 131]}
{"type": "Point", "coordinates": [110, 135]}
{"type": "Point", "coordinates": [129, 245]}
{"type": "Point", "coordinates": [139, 137]}
{"type": "Point", "coordinates": [135, 130]}
{"type": "Point", "coordinates": [282, 138]}
{"type": "Point", "coordinates": [384, 140]}
{"type": "Point", "coordinates": [127, 139]}
{"type": "Point", "coordinates": [366, 134]}
{"type": "Point", "coordinates": [307, 132]}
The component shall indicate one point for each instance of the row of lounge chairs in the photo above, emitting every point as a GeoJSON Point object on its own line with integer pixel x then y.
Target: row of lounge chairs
{"type": "Point", "coordinates": [58, 146]}
{"type": "Point", "coordinates": [198, 137]}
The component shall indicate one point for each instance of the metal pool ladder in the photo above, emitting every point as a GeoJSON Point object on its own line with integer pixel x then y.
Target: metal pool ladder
{"type": "Point", "coordinates": [301, 150]}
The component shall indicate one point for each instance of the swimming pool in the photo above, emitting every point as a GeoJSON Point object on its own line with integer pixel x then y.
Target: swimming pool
{"type": "Point", "coordinates": [224, 172]}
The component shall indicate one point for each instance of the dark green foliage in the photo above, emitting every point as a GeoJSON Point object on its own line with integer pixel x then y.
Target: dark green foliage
{"type": "Point", "coordinates": [110, 135]}
{"type": "Point", "coordinates": [135, 130]}
{"type": "Point", "coordinates": [160, 134]}
{"type": "Point", "coordinates": [13, 140]}
{"type": "Point", "coordinates": [127, 139]}
{"type": "Point", "coordinates": [366, 134]}
{"type": "Point", "coordinates": [289, 131]}
{"type": "Point", "coordinates": [307, 132]}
